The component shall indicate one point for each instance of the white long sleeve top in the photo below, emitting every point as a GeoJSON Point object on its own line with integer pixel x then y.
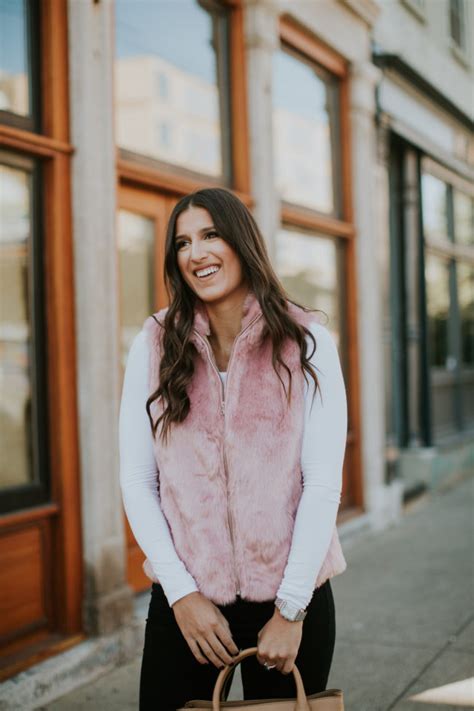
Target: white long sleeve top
{"type": "Point", "coordinates": [322, 456]}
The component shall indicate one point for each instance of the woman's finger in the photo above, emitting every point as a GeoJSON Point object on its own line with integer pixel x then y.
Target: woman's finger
{"type": "Point", "coordinates": [209, 652]}
{"type": "Point", "coordinates": [219, 648]}
{"type": "Point", "coordinates": [195, 649]}
{"type": "Point", "coordinates": [225, 636]}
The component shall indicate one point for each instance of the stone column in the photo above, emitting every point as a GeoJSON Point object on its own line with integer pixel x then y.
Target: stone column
{"type": "Point", "coordinates": [108, 598]}
{"type": "Point", "coordinates": [382, 502]}
{"type": "Point", "coordinates": [262, 40]}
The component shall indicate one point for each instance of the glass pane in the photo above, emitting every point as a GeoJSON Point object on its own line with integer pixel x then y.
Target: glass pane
{"type": "Point", "coordinates": [14, 79]}
{"type": "Point", "coordinates": [170, 74]}
{"type": "Point", "coordinates": [136, 257]}
{"type": "Point", "coordinates": [465, 280]}
{"type": "Point", "coordinates": [434, 201]}
{"type": "Point", "coordinates": [304, 129]}
{"type": "Point", "coordinates": [463, 218]}
{"type": "Point", "coordinates": [456, 21]}
{"type": "Point", "coordinates": [16, 466]}
{"type": "Point", "coordinates": [437, 298]}
{"type": "Point", "coordinates": [308, 266]}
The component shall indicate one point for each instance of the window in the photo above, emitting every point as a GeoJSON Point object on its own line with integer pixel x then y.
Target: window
{"type": "Point", "coordinates": [465, 288]}
{"type": "Point", "coordinates": [165, 135]}
{"type": "Point", "coordinates": [163, 86]}
{"type": "Point", "coordinates": [178, 77]}
{"type": "Point", "coordinates": [448, 232]}
{"type": "Point", "coordinates": [463, 210]}
{"type": "Point", "coordinates": [305, 106]}
{"type": "Point", "coordinates": [22, 378]}
{"type": "Point", "coordinates": [463, 218]}
{"type": "Point", "coordinates": [311, 269]}
{"type": "Point", "coordinates": [457, 23]}
{"type": "Point", "coordinates": [310, 127]}
{"type": "Point", "coordinates": [438, 308]}
{"type": "Point", "coordinates": [19, 63]}
{"type": "Point", "coordinates": [136, 237]}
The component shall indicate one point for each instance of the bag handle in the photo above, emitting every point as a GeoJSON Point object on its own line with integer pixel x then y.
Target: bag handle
{"type": "Point", "coordinates": [301, 700]}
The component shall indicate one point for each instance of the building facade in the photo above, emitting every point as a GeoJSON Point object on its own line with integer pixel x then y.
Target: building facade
{"type": "Point", "coordinates": [354, 151]}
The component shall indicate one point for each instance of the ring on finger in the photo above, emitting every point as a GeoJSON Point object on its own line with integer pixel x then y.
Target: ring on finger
{"type": "Point", "coordinates": [269, 666]}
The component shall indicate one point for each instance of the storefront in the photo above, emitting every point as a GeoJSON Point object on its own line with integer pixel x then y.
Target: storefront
{"type": "Point", "coordinates": [426, 143]}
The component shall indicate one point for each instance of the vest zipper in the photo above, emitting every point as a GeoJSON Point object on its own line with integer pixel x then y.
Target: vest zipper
{"type": "Point", "coordinates": [223, 389]}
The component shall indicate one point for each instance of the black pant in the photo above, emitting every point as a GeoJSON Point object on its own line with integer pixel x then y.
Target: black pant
{"type": "Point", "coordinates": [171, 675]}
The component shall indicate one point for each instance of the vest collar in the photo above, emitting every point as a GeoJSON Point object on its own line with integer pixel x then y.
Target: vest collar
{"type": "Point", "coordinates": [251, 310]}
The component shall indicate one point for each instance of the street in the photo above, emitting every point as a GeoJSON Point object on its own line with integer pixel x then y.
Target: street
{"type": "Point", "coordinates": [404, 617]}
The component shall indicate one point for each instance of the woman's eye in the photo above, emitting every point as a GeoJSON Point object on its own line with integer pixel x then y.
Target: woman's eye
{"type": "Point", "coordinates": [183, 242]}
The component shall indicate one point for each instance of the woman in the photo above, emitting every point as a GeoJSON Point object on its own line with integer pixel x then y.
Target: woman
{"type": "Point", "coordinates": [231, 452]}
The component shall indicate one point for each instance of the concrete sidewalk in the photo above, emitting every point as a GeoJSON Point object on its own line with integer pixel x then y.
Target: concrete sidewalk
{"type": "Point", "coordinates": [404, 615]}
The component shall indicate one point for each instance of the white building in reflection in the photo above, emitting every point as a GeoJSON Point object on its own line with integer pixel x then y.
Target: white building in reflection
{"type": "Point", "coordinates": [167, 113]}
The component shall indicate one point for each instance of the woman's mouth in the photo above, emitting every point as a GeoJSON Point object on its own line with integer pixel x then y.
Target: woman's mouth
{"type": "Point", "coordinates": [207, 273]}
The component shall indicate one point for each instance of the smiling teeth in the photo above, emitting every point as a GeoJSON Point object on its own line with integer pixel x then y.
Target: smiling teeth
{"type": "Point", "coordinates": [205, 272]}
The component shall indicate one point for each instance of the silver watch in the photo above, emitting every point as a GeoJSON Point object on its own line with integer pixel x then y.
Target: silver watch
{"type": "Point", "coordinates": [289, 611]}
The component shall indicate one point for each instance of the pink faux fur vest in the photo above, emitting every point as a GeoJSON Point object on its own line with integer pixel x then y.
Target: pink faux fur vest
{"type": "Point", "coordinates": [230, 478]}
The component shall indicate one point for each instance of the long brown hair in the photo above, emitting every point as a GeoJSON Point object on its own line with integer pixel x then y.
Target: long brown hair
{"type": "Point", "coordinates": [235, 224]}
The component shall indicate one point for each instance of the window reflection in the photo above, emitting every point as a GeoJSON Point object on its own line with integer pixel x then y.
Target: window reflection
{"type": "Point", "coordinates": [304, 123]}
{"type": "Point", "coordinates": [171, 83]}
{"type": "Point", "coordinates": [15, 328]}
{"type": "Point", "coordinates": [14, 79]}
{"type": "Point", "coordinates": [437, 297]}
{"type": "Point", "coordinates": [136, 257]}
{"type": "Point", "coordinates": [309, 266]}
{"type": "Point", "coordinates": [463, 218]}
{"type": "Point", "coordinates": [434, 199]}
{"type": "Point", "coordinates": [465, 279]}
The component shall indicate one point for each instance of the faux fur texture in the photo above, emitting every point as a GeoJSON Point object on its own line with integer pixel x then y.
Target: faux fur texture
{"type": "Point", "coordinates": [230, 482]}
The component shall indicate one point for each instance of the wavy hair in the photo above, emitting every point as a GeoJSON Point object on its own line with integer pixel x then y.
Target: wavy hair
{"type": "Point", "coordinates": [235, 224]}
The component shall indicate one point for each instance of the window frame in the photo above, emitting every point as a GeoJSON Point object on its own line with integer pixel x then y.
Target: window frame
{"type": "Point", "coordinates": [136, 170]}
{"type": "Point", "coordinates": [453, 253]}
{"type": "Point", "coordinates": [301, 41]}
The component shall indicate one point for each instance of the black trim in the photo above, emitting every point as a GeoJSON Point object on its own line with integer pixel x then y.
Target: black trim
{"type": "Point", "coordinates": [425, 416]}
{"type": "Point", "coordinates": [399, 65]}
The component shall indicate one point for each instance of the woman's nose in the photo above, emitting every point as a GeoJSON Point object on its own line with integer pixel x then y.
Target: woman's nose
{"type": "Point", "coordinates": [198, 250]}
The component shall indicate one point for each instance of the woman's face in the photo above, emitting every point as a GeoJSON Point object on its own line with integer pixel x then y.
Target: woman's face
{"type": "Point", "coordinates": [198, 248]}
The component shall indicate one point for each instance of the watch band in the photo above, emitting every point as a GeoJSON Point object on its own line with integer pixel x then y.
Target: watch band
{"type": "Point", "coordinates": [289, 611]}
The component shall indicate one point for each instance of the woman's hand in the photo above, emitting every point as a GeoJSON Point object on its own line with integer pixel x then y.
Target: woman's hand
{"type": "Point", "coordinates": [205, 629]}
{"type": "Point", "coordinates": [279, 641]}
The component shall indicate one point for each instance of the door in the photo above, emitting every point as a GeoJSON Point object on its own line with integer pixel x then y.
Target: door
{"type": "Point", "coordinates": [141, 227]}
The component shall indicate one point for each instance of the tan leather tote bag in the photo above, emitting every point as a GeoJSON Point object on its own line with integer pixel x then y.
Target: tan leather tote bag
{"type": "Point", "coordinates": [329, 700]}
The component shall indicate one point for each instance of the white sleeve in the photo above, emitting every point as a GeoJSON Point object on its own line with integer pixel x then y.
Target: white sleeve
{"type": "Point", "coordinates": [138, 478]}
{"type": "Point", "coordinates": [324, 442]}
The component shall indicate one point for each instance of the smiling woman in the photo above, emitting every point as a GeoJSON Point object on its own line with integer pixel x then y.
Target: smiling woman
{"type": "Point", "coordinates": [232, 486]}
